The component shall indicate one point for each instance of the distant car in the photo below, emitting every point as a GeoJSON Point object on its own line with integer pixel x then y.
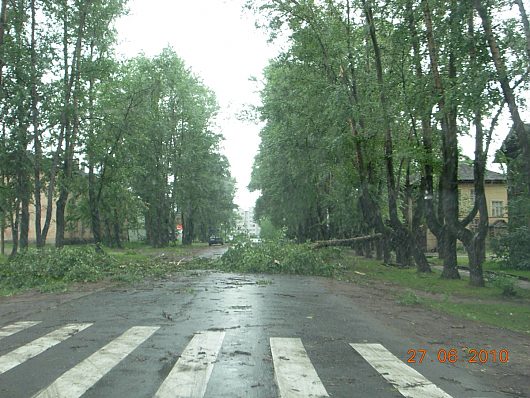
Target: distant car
{"type": "Point", "coordinates": [215, 240]}
{"type": "Point", "coordinates": [255, 240]}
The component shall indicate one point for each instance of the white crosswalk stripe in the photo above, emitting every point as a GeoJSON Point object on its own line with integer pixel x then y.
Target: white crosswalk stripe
{"type": "Point", "coordinates": [189, 377]}
{"type": "Point", "coordinates": [16, 327]}
{"type": "Point", "coordinates": [409, 382]}
{"type": "Point", "coordinates": [295, 374]}
{"type": "Point", "coordinates": [81, 377]}
{"type": "Point", "coordinates": [38, 346]}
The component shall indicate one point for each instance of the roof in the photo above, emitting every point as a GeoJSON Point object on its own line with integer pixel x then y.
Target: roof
{"type": "Point", "coordinates": [465, 173]}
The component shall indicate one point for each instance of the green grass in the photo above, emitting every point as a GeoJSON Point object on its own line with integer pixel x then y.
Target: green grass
{"type": "Point", "coordinates": [136, 262]}
{"type": "Point", "coordinates": [52, 271]}
{"type": "Point", "coordinates": [489, 265]}
{"type": "Point", "coordinates": [513, 315]}
{"type": "Point", "coordinates": [456, 297]}
{"type": "Point", "coordinates": [495, 266]}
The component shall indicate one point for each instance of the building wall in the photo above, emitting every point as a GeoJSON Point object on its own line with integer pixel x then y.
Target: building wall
{"type": "Point", "coordinates": [79, 232]}
{"type": "Point", "coordinates": [495, 192]}
{"type": "Point", "coordinates": [246, 223]}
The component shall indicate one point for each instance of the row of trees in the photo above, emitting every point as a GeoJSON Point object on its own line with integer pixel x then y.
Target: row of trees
{"type": "Point", "coordinates": [105, 142]}
{"type": "Point", "coordinates": [364, 112]}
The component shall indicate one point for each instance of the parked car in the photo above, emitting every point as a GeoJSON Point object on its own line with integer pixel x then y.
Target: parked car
{"type": "Point", "coordinates": [215, 240]}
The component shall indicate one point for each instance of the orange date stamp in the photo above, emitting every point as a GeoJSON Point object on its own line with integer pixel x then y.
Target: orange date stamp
{"type": "Point", "coordinates": [451, 355]}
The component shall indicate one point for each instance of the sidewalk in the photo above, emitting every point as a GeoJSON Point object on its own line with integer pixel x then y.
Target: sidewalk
{"type": "Point", "coordinates": [463, 272]}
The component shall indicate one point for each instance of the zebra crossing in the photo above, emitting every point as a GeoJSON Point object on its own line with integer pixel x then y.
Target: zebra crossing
{"type": "Point", "coordinates": [295, 375]}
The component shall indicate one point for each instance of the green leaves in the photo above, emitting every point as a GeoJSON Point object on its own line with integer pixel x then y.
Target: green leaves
{"type": "Point", "coordinates": [279, 257]}
{"type": "Point", "coordinates": [34, 268]}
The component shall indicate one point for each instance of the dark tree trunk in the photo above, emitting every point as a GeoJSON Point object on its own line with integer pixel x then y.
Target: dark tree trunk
{"type": "Point", "coordinates": [369, 207]}
{"type": "Point", "coordinates": [2, 237]}
{"type": "Point", "coordinates": [187, 233]}
{"type": "Point", "coordinates": [24, 217]}
{"type": "Point", "coordinates": [526, 27]}
{"type": "Point", "coordinates": [368, 253]}
{"type": "Point", "coordinates": [108, 230]}
{"type": "Point", "coordinates": [14, 229]}
{"type": "Point", "coordinates": [425, 203]}
{"type": "Point", "coordinates": [3, 22]}
{"type": "Point", "coordinates": [93, 197]}
{"type": "Point", "coordinates": [51, 189]}
{"type": "Point", "coordinates": [402, 238]}
{"type": "Point", "coordinates": [95, 222]}
{"type": "Point", "coordinates": [36, 131]}
{"type": "Point", "coordinates": [507, 91]}
{"type": "Point", "coordinates": [117, 229]}
{"type": "Point", "coordinates": [60, 222]}
{"type": "Point", "coordinates": [379, 250]}
{"type": "Point", "coordinates": [476, 276]}
{"type": "Point", "coordinates": [71, 91]}
{"type": "Point", "coordinates": [475, 241]}
{"type": "Point", "coordinates": [449, 175]}
{"type": "Point", "coordinates": [448, 246]}
{"type": "Point", "coordinates": [20, 133]}
{"type": "Point", "coordinates": [418, 234]}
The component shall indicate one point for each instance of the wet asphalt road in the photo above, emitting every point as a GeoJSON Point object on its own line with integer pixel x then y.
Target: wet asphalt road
{"type": "Point", "coordinates": [249, 309]}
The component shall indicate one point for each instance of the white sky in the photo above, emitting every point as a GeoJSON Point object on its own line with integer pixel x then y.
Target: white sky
{"type": "Point", "coordinates": [219, 41]}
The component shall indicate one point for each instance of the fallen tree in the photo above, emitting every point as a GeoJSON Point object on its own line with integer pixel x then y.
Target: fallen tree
{"type": "Point", "coordinates": [347, 242]}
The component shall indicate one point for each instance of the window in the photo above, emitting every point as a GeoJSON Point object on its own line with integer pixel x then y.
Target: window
{"type": "Point", "coordinates": [472, 195]}
{"type": "Point", "coordinates": [497, 208]}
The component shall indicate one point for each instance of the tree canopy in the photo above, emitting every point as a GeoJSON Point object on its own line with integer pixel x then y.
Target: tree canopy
{"type": "Point", "coordinates": [87, 137]}
{"type": "Point", "coordinates": [365, 111]}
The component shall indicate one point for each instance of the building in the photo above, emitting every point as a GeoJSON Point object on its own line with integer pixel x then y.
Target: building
{"type": "Point", "coordinates": [510, 153]}
{"type": "Point", "coordinates": [245, 223]}
{"type": "Point", "coordinates": [75, 232]}
{"type": "Point", "coordinates": [496, 190]}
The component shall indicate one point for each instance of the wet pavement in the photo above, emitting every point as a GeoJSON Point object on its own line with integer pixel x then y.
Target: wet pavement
{"type": "Point", "coordinates": [244, 312]}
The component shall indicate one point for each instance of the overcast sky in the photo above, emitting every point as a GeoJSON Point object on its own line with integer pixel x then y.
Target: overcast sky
{"type": "Point", "coordinates": [219, 41]}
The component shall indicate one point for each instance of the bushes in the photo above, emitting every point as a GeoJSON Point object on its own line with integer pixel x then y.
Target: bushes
{"type": "Point", "coordinates": [505, 283]}
{"type": "Point", "coordinates": [513, 249]}
{"type": "Point", "coordinates": [34, 268]}
{"type": "Point", "coordinates": [280, 257]}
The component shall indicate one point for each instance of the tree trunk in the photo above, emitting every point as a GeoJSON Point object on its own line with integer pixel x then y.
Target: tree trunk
{"type": "Point", "coordinates": [403, 238]}
{"type": "Point", "coordinates": [71, 90]}
{"type": "Point", "coordinates": [51, 189]}
{"type": "Point", "coordinates": [36, 131]}
{"type": "Point", "coordinates": [449, 177]}
{"type": "Point", "coordinates": [117, 230]}
{"type": "Point", "coordinates": [187, 224]}
{"type": "Point", "coordinates": [507, 91]}
{"type": "Point", "coordinates": [24, 217]}
{"type": "Point", "coordinates": [475, 242]}
{"type": "Point", "coordinates": [391, 184]}
{"type": "Point", "coordinates": [21, 134]}
{"type": "Point", "coordinates": [3, 22]}
{"type": "Point", "coordinates": [2, 236]}
{"type": "Point", "coordinates": [418, 235]}
{"type": "Point", "coordinates": [425, 200]}
{"type": "Point", "coordinates": [369, 207]}
{"type": "Point", "coordinates": [95, 222]}
{"type": "Point", "coordinates": [93, 197]}
{"type": "Point", "coordinates": [14, 229]}
{"type": "Point", "coordinates": [526, 27]}
{"type": "Point", "coordinates": [108, 229]}
{"type": "Point", "coordinates": [476, 277]}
